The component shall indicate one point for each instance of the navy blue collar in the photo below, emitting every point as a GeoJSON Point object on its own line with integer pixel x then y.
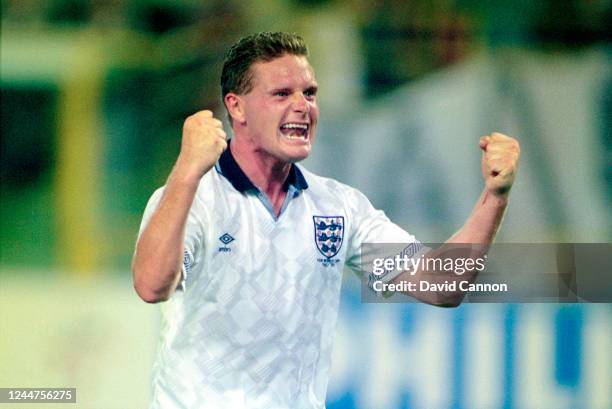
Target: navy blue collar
{"type": "Point", "coordinates": [230, 169]}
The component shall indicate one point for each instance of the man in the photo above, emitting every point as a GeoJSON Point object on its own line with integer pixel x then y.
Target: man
{"type": "Point", "coordinates": [249, 248]}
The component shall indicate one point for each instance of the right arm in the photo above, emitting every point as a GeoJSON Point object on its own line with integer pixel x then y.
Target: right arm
{"type": "Point", "coordinates": [156, 265]}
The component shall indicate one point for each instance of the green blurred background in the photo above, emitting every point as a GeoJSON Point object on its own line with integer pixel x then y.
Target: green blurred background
{"type": "Point", "coordinates": [94, 94]}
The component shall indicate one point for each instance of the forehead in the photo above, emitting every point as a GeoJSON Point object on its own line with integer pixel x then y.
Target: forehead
{"type": "Point", "coordinates": [287, 70]}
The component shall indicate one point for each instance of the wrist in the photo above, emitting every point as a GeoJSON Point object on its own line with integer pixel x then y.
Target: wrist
{"type": "Point", "coordinates": [186, 172]}
{"type": "Point", "coordinates": [496, 199]}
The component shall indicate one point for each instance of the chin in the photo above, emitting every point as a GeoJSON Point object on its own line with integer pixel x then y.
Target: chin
{"type": "Point", "coordinates": [295, 157]}
{"type": "Point", "coordinates": [295, 153]}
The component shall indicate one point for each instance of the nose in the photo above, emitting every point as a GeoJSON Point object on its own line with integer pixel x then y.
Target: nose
{"type": "Point", "coordinates": [300, 104]}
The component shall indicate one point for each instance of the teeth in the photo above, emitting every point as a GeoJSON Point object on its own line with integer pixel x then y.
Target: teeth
{"type": "Point", "coordinates": [295, 126]}
{"type": "Point", "coordinates": [294, 130]}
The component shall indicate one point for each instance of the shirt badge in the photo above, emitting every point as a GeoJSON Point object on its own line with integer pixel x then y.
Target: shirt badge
{"type": "Point", "coordinates": [329, 234]}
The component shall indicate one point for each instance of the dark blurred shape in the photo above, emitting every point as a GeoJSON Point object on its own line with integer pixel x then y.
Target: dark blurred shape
{"type": "Point", "coordinates": [572, 23]}
{"type": "Point", "coordinates": [311, 3]}
{"type": "Point", "coordinates": [70, 11]}
{"type": "Point", "coordinates": [27, 141]}
{"type": "Point", "coordinates": [160, 18]}
{"type": "Point", "coordinates": [27, 164]}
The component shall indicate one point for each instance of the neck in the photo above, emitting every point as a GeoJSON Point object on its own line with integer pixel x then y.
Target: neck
{"type": "Point", "coordinates": [266, 172]}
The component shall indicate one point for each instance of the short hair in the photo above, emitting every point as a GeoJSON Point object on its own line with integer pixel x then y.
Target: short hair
{"type": "Point", "coordinates": [237, 76]}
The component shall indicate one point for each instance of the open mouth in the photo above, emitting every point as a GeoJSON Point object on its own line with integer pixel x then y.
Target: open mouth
{"type": "Point", "coordinates": [295, 130]}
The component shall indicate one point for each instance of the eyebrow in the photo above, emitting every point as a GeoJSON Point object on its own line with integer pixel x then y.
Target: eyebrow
{"type": "Point", "coordinates": [280, 89]}
{"type": "Point", "coordinates": [312, 88]}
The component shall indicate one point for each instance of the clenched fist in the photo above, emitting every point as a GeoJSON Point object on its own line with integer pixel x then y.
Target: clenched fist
{"type": "Point", "coordinates": [500, 155]}
{"type": "Point", "coordinates": [203, 142]}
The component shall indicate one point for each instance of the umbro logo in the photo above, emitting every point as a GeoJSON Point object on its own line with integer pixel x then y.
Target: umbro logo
{"type": "Point", "coordinates": [226, 239]}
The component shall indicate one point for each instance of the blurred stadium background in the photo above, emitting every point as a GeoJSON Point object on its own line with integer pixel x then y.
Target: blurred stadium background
{"type": "Point", "coordinates": [93, 98]}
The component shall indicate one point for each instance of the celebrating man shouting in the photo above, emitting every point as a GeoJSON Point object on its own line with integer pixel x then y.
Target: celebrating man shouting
{"type": "Point", "coordinates": [248, 248]}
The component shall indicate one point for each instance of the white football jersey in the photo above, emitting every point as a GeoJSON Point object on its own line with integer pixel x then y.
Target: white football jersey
{"type": "Point", "coordinates": [252, 323]}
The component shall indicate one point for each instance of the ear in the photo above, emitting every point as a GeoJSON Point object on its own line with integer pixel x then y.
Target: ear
{"type": "Point", "coordinates": [235, 107]}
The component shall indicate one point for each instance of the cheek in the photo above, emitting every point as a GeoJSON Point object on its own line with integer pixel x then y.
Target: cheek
{"type": "Point", "coordinates": [314, 109]}
{"type": "Point", "coordinates": [271, 110]}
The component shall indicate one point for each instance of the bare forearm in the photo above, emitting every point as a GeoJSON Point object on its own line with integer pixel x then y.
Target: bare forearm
{"type": "Point", "coordinates": [159, 252]}
{"type": "Point", "coordinates": [483, 224]}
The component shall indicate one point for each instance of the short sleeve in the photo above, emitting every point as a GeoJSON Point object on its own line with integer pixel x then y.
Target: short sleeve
{"type": "Point", "coordinates": [370, 225]}
{"type": "Point", "coordinates": [194, 236]}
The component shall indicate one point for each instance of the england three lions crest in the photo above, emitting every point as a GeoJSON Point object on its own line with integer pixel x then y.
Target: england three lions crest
{"type": "Point", "coordinates": [329, 232]}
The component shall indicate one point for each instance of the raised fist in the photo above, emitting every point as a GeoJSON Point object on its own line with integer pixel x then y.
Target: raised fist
{"type": "Point", "coordinates": [203, 142]}
{"type": "Point", "coordinates": [500, 155]}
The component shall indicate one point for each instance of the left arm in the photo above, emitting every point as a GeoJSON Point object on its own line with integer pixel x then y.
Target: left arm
{"type": "Point", "coordinates": [499, 165]}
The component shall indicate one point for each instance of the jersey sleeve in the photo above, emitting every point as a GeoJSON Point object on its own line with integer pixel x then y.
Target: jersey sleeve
{"type": "Point", "coordinates": [370, 225]}
{"type": "Point", "coordinates": [194, 233]}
